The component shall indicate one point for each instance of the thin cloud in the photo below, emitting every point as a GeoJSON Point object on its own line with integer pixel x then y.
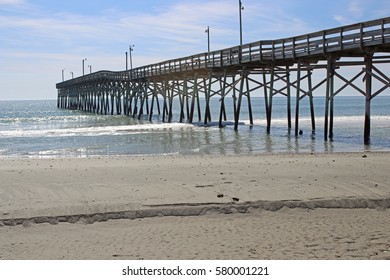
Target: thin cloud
{"type": "Point", "coordinates": [11, 2]}
{"type": "Point", "coordinates": [355, 8]}
{"type": "Point", "coordinates": [181, 23]}
{"type": "Point", "coordinates": [340, 19]}
{"type": "Point", "coordinates": [273, 21]}
{"type": "Point", "coordinates": [178, 24]}
{"type": "Point", "coordinates": [65, 27]}
{"type": "Point", "coordinates": [358, 10]}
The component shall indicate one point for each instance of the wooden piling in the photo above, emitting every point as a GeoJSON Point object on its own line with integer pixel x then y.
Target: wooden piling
{"type": "Point", "coordinates": [328, 93]}
{"type": "Point", "coordinates": [142, 102]}
{"type": "Point", "coordinates": [193, 98]}
{"type": "Point", "coordinates": [164, 92]}
{"type": "Point", "coordinates": [269, 99]}
{"type": "Point", "coordinates": [310, 93]}
{"type": "Point", "coordinates": [288, 98]}
{"type": "Point", "coordinates": [207, 87]}
{"type": "Point", "coordinates": [222, 111]}
{"type": "Point", "coordinates": [240, 93]}
{"type": "Point", "coordinates": [182, 91]}
{"type": "Point", "coordinates": [198, 103]}
{"type": "Point", "coordinates": [170, 98]}
{"type": "Point", "coordinates": [248, 96]}
{"type": "Point", "coordinates": [152, 102]}
{"type": "Point", "coordinates": [331, 108]}
{"type": "Point", "coordinates": [265, 89]}
{"type": "Point", "coordinates": [367, 119]}
{"type": "Point", "coordinates": [234, 96]}
{"type": "Point", "coordinates": [297, 99]}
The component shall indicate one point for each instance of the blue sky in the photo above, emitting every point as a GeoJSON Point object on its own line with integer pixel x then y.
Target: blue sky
{"type": "Point", "coordinates": [39, 38]}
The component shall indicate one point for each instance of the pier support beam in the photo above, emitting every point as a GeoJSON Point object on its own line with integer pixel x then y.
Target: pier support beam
{"type": "Point", "coordinates": [207, 95]}
{"type": "Point", "coordinates": [154, 93]}
{"type": "Point", "coordinates": [311, 102]}
{"type": "Point", "coordinates": [195, 98]}
{"type": "Point", "coordinates": [248, 96]}
{"type": "Point", "coordinates": [368, 78]}
{"type": "Point", "coordinates": [171, 95]}
{"type": "Point", "coordinates": [240, 93]}
{"type": "Point", "coordinates": [268, 99]}
{"type": "Point", "coordinates": [330, 69]}
{"type": "Point", "coordinates": [182, 95]}
{"type": "Point", "coordinates": [222, 111]}
{"type": "Point", "coordinates": [288, 98]}
{"type": "Point", "coordinates": [297, 99]}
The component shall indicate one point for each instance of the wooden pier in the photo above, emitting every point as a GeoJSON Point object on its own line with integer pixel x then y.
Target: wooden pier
{"type": "Point", "coordinates": [268, 68]}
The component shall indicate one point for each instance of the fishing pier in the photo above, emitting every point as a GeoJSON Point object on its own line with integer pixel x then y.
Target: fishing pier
{"type": "Point", "coordinates": [292, 67]}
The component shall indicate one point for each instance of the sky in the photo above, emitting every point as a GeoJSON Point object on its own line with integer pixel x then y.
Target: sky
{"type": "Point", "coordinates": [40, 39]}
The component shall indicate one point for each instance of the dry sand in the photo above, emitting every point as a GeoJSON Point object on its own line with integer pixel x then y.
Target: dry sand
{"type": "Point", "coordinates": [284, 234]}
{"type": "Point", "coordinates": [326, 206]}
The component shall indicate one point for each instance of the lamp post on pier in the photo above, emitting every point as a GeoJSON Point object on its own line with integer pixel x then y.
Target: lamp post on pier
{"type": "Point", "coordinates": [71, 74]}
{"type": "Point", "coordinates": [131, 60]}
{"type": "Point", "coordinates": [127, 66]}
{"type": "Point", "coordinates": [240, 8]}
{"type": "Point", "coordinates": [63, 78]}
{"type": "Point", "coordinates": [90, 69]}
{"type": "Point", "coordinates": [83, 65]}
{"type": "Point", "coordinates": [208, 38]}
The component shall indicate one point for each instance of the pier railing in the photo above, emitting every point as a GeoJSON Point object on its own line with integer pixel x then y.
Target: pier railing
{"type": "Point", "coordinates": [346, 40]}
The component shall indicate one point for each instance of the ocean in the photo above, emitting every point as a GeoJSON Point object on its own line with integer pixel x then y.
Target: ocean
{"type": "Point", "coordinates": [39, 129]}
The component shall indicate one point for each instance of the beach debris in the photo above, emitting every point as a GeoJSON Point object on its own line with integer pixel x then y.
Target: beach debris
{"type": "Point", "coordinates": [220, 195]}
{"type": "Point", "coordinates": [364, 156]}
{"type": "Point", "coordinates": [252, 251]}
{"type": "Point", "coordinates": [235, 199]}
{"type": "Point", "coordinates": [204, 186]}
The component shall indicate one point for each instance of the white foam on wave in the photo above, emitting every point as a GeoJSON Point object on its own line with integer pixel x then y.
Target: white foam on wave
{"type": "Point", "coordinates": [96, 131]}
{"type": "Point", "coordinates": [43, 119]}
{"type": "Point", "coordinates": [380, 121]}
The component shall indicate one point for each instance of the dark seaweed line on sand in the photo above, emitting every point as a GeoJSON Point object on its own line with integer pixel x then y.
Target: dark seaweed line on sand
{"type": "Point", "coordinates": [194, 209]}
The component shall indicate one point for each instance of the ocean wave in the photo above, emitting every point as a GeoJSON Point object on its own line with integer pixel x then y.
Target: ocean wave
{"type": "Point", "coordinates": [380, 121]}
{"type": "Point", "coordinates": [43, 119]}
{"type": "Point", "coordinates": [95, 131]}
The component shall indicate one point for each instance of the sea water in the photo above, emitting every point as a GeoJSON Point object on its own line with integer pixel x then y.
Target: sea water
{"type": "Point", "coordinates": [40, 129]}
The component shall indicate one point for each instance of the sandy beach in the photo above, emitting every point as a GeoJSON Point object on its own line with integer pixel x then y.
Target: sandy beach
{"type": "Point", "coordinates": [273, 206]}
